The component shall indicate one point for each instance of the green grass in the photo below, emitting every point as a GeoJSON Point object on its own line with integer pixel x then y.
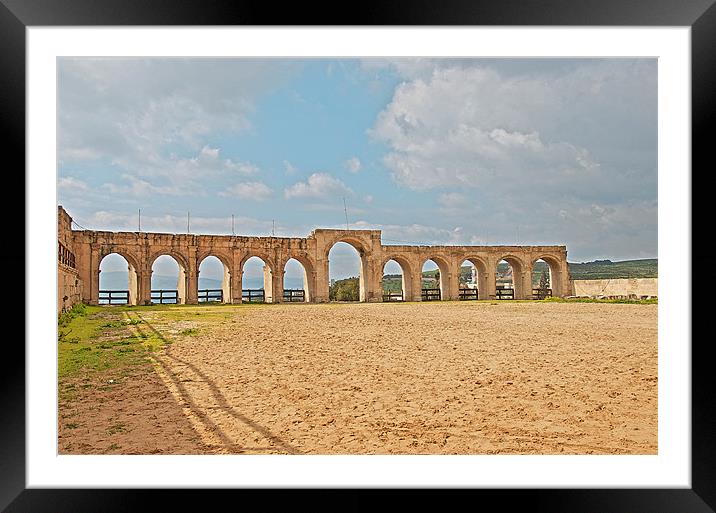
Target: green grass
{"type": "Point", "coordinates": [93, 339]}
{"type": "Point", "coordinates": [591, 300]}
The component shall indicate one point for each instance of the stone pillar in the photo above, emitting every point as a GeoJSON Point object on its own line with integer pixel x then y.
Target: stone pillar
{"type": "Point", "coordinates": [416, 279]}
{"type": "Point", "coordinates": [192, 289]}
{"type": "Point", "coordinates": [133, 283]}
{"type": "Point", "coordinates": [453, 282]}
{"type": "Point", "coordinates": [144, 282]}
{"type": "Point", "coordinates": [268, 285]}
{"type": "Point", "coordinates": [94, 274]}
{"type": "Point", "coordinates": [526, 284]}
{"type": "Point", "coordinates": [372, 281]}
{"type": "Point", "coordinates": [490, 282]}
{"type": "Point", "coordinates": [181, 285]}
{"type": "Point", "coordinates": [278, 278]}
{"type": "Point", "coordinates": [226, 285]}
{"type": "Point", "coordinates": [322, 281]}
{"type": "Point", "coordinates": [236, 276]}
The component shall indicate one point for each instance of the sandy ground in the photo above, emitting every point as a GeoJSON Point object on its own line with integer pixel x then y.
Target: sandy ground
{"type": "Point", "coordinates": [430, 378]}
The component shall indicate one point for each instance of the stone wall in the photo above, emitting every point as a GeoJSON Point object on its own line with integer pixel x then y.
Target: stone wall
{"type": "Point", "coordinates": [69, 288]}
{"type": "Point", "coordinates": [69, 283]}
{"type": "Point", "coordinates": [639, 287]}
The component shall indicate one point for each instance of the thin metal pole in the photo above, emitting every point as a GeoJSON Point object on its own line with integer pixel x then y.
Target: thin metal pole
{"type": "Point", "coordinates": [187, 222]}
{"type": "Point", "coordinates": [139, 223]}
{"type": "Point", "coordinates": [273, 228]}
{"type": "Point", "coordinates": [345, 209]}
{"type": "Point", "coordinates": [232, 225]}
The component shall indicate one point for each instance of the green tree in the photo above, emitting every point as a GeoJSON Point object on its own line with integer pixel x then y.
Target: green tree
{"type": "Point", "coordinates": [543, 285]}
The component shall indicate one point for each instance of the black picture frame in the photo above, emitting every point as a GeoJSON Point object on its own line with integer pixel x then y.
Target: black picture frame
{"type": "Point", "coordinates": [16, 15]}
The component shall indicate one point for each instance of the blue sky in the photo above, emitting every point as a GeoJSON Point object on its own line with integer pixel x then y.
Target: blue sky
{"type": "Point", "coordinates": [431, 151]}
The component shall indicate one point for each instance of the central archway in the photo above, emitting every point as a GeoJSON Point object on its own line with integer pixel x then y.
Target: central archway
{"type": "Point", "coordinates": [347, 270]}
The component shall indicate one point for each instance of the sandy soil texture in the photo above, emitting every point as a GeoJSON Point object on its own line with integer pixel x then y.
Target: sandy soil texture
{"type": "Point", "coordinates": [412, 378]}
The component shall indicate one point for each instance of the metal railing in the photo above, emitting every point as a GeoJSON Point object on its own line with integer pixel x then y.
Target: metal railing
{"type": "Point", "coordinates": [210, 296]}
{"type": "Point", "coordinates": [164, 297]}
{"type": "Point", "coordinates": [392, 295]}
{"type": "Point", "coordinates": [541, 293]}
{"type": "Point", "coordinates": [294, 295]}
{"type": "Point", "coordinates": [504, 293]}
{"type": "Point", "coordinates": [253, 295]}
{"type": "Point", "coordinates": [431, 295]}
{"type": "Point", "coordinates": [467, 295]}
{"type": "Point", "coordinates": [113, 297]}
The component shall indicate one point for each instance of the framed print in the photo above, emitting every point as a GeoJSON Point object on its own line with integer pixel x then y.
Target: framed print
{"type": "Point", "coordinates": [284, 137]}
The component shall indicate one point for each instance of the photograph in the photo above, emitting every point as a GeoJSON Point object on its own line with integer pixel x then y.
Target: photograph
{"type": "Point", "coordinates": [357, 255]}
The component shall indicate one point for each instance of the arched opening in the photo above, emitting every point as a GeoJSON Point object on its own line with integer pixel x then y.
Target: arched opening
{"type": "Point", "coordinates": [214, 281]}
{"type": "Point", "coordinates": [168, 283]}
{"type": "Point", "coordinates": [296, 281]}
{"type": "Point", "coordinates": [346, 272]}
{"type": "Point", "coordinates": [473, 279]}
{"type": "Point", "coordinates": [117, 281]}
{"type": "Point", "coordinates": [546, 278]}
{"type": "Point", "coordinates": [256, 281]}
{"type": "Point", "coordinates": [396, 282]}
{"type": "Point", "coordinates": [434, 280]}
{"type": "Point", "coordinates": [508, 279]}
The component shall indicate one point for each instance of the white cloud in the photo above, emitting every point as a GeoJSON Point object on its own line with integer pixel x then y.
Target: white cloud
{"type": "Point", "coordinates": [71, 184]}
{"type": "Point", "coordinates": [353, 164]}
{"type": "Point", "coordinates": [290, 169]}
{"type": "Point", "coordinates": [256, 191]}
{"type": "Point", "coordinates": [318, 185]}
{"type": "Point", "coordinates": [550, 132]}
{"type": "Point", "coordinates": [368, 198]}
{"type": "Point", "coordinates": [139, 188]}
{"type": "Point", "coordinates": [452, 200]}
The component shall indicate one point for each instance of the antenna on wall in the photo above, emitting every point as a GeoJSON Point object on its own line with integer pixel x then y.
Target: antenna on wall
{"type": "Point", "coordinates": [187, 222]}
{"type": "Point", "coordinates": [345, 209]}
{"type": "Point", "coordinates": [139, 221]}
{"type": "Point", "coordinates": [273, 228]}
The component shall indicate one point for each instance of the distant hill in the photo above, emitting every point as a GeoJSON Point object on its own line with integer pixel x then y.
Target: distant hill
{"type": "Point", "coordinates": [606, 269]}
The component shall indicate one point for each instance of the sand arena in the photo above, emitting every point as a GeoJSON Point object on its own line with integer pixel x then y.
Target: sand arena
{"type": "Point", "coordinates": [407, 378]}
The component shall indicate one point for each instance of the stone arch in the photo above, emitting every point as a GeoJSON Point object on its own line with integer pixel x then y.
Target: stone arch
{"type": "Point", "coordinates": [519, 268]}
{"type": "Point", "coordinates": [270, 290]}
{"type": "Point", "coordinates": [361, 246]}
{"type": "Point", "coordinates": [309, 274]}
{"type": "Point", "coordinates": [483, 273]}
{"type": "Point", "coordinates": [408, 274]}
{"type": "Point", "coordinates": [556, 272]}
{"type": "Point", "coordinates": [357, 242]}
{"type": "Point", "coordinates": [444, 268]}
{"type": "Point", "coordinates": [133, 276]}
{"type": "Point", "coordinates": [183, 278]}
{"type": "Point", "coordinates": [225, 260]}
{"type": "Point", "coordinates": [125, 253]}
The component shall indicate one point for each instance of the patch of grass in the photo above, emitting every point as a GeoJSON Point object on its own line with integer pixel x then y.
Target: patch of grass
{"type": "Point", "coordinates": [72, 425]}
{"type": "Point", "coordinates": [189, 332]}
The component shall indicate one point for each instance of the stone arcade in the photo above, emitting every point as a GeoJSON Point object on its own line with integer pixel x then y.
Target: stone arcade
{"type": "Point", "coordinates": [81, 251]}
